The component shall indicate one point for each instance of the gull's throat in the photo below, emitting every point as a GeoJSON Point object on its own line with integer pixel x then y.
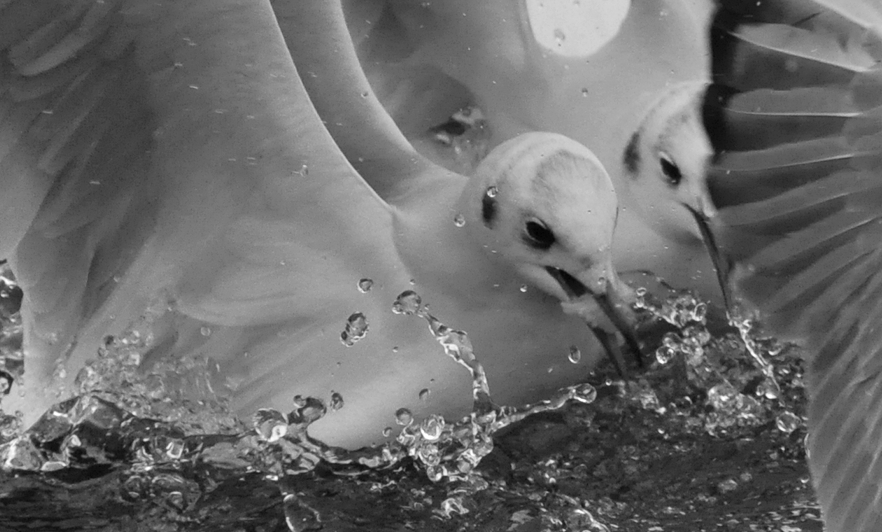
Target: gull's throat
{"type": "Point", "coordinates": [571, 286]}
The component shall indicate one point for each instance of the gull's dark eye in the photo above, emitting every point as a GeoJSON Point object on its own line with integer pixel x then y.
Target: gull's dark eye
{"type": "Point", "coordinates": [538, 235]}
{"type": "Point", "coordinates": [671, 170]}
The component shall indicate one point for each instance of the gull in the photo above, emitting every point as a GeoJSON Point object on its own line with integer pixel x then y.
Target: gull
{"type": "Point", "coordinates": [794, 118]}
{"type": "Point", "coordinates": [166, 179]}
{"type": "Point", "coordinates": [665, 165]}
{"type": "Point", "coordinates": [576, 68]}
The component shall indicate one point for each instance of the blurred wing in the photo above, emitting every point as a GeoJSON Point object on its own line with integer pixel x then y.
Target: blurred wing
{"type": "Point", "coordinates": [323, 49]}
{"type": "Point", "coordinates": [170, 148]}
{"type": "Point", "coordinates": [795, 117]}
{"type": "Point", "coordinates": [75, 139]}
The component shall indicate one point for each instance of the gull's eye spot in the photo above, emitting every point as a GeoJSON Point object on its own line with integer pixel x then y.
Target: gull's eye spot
{"type": "Point", "coordinates": [671, 170]}
{"type": "Point", "coordinates": [537, 235]}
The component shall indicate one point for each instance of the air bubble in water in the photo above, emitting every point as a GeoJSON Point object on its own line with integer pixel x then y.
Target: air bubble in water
{"type": "Point", "coordinates": [365, 285]}
{"type": "Point", "coordinates": [459, 220]}
{"type": "Point", "coordinates": [575, 354]}
{"type": "Point", "coordinates": [492, 192]}
{"type": "Point", "coordinates": [356, 329]}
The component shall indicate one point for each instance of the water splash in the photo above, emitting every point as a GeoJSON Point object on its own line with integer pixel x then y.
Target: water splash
{"type": "Point", "coordinates": [11, 330]}
{"type": "Point", "coordinates": [101, 427]}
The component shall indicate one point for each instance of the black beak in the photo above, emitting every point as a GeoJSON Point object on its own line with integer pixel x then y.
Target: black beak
{"type": "Point", "coordinates": [616, 306]}
{"type": "Point", "coordinates": [721, 264]}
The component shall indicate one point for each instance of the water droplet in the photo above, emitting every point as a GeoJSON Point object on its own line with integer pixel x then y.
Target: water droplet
{"type": "Point", "coordinates": [459, 220]}
{"type": "Point", "coordinates": [309, 410]}
{"type": "Point", "coordinates": [174, 448]}
{"type": "Point", "coordinates": [270, 425]}
{"type": "Point", "coordinates": [768, 389]}
{"type": "Point", "coordinates": [336, 401]}
{"type": "Point", "coordinates": [424, 394]}
{"type": "Point", "coordinates": [403, 417]}
{"type": "Point", "coordinates": [585, 393]}
{"type": "Point", "coordinates": [492, 192]}
{"type": "Point", "coordinates": [575, 354]}
{"type": "Point", "coordinates": [356, 329]}
{"type": "Point", "coordinates": [452, 505]}
{"type": "Point", "coordinates": [298, 515]}
{"type": "Point", "coordinates": [407, 302]}
{"type": "Point", "coordinates": [787, 422]}
{"type": "Point", "coordinates": [559, 36]}
{"type": "Point", "coordinates": [365, 285]}
{"type": "Point", "coordinates": [299, 401]}
{"type": "Point", "coordinates": [699, 313]}
{"type": "Point", "coordinates": [727, 485]}
{"type": "Point", "coordinates": [523, 288]}
{"type": "Point", "coordinates": [664, 354]}
{"type": "Point", "coordinates": [432, 427]}
{"type": "Point", "coordinates": [303, 171]}
{"type": "Point", "coordinates": [722, 396]}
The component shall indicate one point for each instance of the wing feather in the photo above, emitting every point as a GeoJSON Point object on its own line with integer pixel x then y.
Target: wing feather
{"type": "Point", "coordinates": [795, 116]}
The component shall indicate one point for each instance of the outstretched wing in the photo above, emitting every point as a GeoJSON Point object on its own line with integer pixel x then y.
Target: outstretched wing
{"type": "Point", "coordinates": [795, 118]}
{"type": "Point", "coordinates": [169, 151]}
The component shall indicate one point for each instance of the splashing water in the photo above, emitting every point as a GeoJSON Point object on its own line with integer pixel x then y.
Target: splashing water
{"type": "Point", "coordinates": [122, 416]}
{"type": "Point", "coordinates": [145, 423]}
{"type": "Point", "coordinates": [739, 391]}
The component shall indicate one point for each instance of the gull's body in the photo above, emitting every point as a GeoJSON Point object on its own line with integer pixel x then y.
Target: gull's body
{"type": "Point", "coordinates": [795, 119]}
{"type": "Point", "coordinates": [163, 168]}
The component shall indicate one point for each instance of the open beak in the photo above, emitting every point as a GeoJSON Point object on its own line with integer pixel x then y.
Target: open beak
{"type": "Point", "coordinates": [614, 298]}
{"type": "Point", "coordinates": [721, 264]}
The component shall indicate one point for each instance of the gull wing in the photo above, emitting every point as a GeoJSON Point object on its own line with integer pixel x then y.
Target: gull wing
{"type": "Point", "coordinates": [168, 152]}
{"type": "Point", "coordinates": [795, 118]}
